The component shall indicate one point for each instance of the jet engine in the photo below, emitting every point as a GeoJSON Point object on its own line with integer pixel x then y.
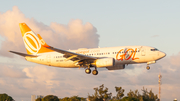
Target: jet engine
{"type": "Point", "coordinates": [105, 62]}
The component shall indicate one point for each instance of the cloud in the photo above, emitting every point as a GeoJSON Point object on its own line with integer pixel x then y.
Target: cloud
{"type": "Point", "coordinates": [20, 83]}
{"type": "Point", "coordinates": [44, 80]}
{"type": "Point", "coordinates": [74, 35]}
{"type": "Point", "coordinates": [11, 72]}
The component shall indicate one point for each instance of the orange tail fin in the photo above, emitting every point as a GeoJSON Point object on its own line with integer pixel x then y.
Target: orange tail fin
{"type": "Point", "coordinates": [32, 42]}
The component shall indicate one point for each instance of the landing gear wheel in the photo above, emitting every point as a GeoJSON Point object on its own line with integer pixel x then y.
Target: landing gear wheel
{"type": "Point", "coordinates": [88, 71]}
{"type": "Point", "coordinates": [95, 72]}
{"type": "Point", "coordinates": [147, 67]}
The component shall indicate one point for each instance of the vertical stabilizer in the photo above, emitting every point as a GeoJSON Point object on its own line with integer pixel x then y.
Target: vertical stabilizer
{"type": "Point", "coordinates": [31, 41]}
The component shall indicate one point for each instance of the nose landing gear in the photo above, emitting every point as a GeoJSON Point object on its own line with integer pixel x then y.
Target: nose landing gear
{"type": "Point", "coordinates": [150, 62]}
{"type": "Point", "coordinates": [147, 67]}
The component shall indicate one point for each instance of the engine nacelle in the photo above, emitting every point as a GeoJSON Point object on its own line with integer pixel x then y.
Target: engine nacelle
{"type": "Point", "coordinates": [116, 67]}
{"type": "Point", "coordinates": [105, 62]}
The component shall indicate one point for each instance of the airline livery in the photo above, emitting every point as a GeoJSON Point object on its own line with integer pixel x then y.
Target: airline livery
{"type": "Point", "coordinates": [112, 58]}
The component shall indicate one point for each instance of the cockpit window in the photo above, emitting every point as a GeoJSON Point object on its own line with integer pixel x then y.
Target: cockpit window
{"type": "Point", "coordinates": [155, 49]}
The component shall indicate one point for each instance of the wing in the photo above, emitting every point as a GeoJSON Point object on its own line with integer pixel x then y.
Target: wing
{"type": "Point", "coordinates": [23, 54]}
{"type": "Point", "coordinates": [77, 58]}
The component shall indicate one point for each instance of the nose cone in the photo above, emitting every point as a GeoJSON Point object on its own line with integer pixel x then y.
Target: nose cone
{"type": "Point", "coordinates": [162, 54]}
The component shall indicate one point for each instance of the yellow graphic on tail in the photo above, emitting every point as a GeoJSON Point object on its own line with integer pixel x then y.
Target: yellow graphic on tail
{"type": "Point", "coordinates": [32, 42]}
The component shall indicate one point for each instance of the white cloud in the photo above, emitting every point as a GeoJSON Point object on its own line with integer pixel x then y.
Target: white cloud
{"type": "Point", "coordinates": [12, 72]}
{"type": "Point", "coordinates": [71, 36]}
{"type": "Point", "coordinates": [44, 80]}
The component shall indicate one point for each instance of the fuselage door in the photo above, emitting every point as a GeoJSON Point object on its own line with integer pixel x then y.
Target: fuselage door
{"type": "Point", "coordinates": [143, 52]}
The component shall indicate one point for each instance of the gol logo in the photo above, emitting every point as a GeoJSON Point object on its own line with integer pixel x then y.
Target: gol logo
{"type": "Point", "coordinates": [127, 54]}
{"type": "Point", "coordinates": [32, 42]}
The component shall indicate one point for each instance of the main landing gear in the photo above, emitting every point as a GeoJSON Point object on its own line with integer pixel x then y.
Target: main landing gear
{"type": "Point", "coordinates": [88, 71]}
{"type": "Point", "coordinates": [94, 72]}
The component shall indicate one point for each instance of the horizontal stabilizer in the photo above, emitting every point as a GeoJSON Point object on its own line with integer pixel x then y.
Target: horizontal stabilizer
{"type": "Point", "coordinates": [23, 54]}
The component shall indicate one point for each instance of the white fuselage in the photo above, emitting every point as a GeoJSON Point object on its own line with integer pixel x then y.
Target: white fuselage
{"type": "Point", "coordinates": [122, 55]}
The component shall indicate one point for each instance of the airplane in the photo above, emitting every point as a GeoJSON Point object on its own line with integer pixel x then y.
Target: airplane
{"type": "Point", "coordinates": [112, 58]}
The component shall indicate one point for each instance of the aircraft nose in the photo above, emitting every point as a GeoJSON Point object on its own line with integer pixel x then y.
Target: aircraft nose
{"type": "Point", "coordinates": [162, 54]}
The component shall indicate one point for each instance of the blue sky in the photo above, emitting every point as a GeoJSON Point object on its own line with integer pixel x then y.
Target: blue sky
{"type": "Point", "coordinates": [118, 23]}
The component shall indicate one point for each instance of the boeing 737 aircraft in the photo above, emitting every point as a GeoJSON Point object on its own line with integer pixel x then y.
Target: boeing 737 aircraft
{"type": "Point", "coordinates": [112, 58]}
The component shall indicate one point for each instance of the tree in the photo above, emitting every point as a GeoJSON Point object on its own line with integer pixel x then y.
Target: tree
{"type": "Point", "coordinates": [76, 98]}
{"type": "Point", "coordinates": [146, 96]}
{"type": "Point", "coordinates": [38, 99]}
{"type": "Point", "coordinates": [119, 95]}
{"type": "Point", "coordinates": [134, 94]}
{"type": "Point", "coordinates": [50, 98]}
{"type": "Point", "coordinates": [149, 96]}
{"type": "Point", "coordinates": [100, 94]}
{"type": "Point", "coordinates": [5, 97]}
{"type": "Point", "coordinates": [73, 98]}
{"type": "Point", "coordinates": [64, 99]}
{"type": "Point", "coordinates": [129, 99]}
{"type": "Point", "coordinates": [120, 92]}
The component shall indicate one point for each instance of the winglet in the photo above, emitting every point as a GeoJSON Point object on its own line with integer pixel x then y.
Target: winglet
{"type": "Point", "coordinates": [43, 43]}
